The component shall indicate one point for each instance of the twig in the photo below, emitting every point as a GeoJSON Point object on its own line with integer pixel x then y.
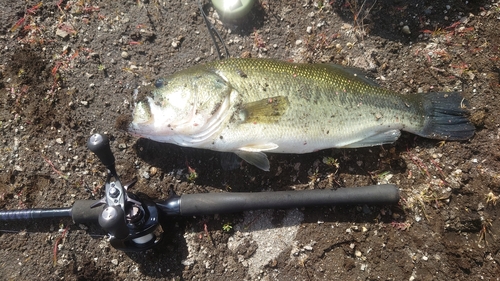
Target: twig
{"type": "Point", "coordinates": [418, 162]}
{"type": "Point", "coordinates": [56, 244]}
{"type": "Point", "coordinates": [54, 168]}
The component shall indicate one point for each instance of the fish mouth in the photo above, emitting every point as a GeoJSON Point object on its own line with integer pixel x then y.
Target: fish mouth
{"type": "Point", "coordinates": [192, 127]}
{"type": "Point", "coordinates": [152, 120]}
{"type": "Point", "coordinates": [141, 120]}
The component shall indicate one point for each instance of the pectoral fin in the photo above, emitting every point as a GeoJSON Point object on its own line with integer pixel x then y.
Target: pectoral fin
{"type": "Point", "coordinates": [378, 139]}
{"type": "Point", "coordinates": [258, 159]}
{"type": "Point", "coordinates": [266, 110]}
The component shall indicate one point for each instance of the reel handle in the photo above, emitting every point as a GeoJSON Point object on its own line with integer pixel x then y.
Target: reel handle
{"type": "Point", "coordinates": [99, 144]}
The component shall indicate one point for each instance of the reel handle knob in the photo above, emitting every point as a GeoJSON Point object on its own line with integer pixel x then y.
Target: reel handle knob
{"type": "Point", "coordinates": [112, 220]}
{"type": "Point", "coordinates": [99, 144]}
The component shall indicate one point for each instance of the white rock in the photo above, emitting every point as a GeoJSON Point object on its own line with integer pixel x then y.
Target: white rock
{"type": "Point", "coordinates": [406, 30]}
{"type": "Point", "coordinates": [125, 55]}
{"type": "Point", "coordinates": [61, 33]}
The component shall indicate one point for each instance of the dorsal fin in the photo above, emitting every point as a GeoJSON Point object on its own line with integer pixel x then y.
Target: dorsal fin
{"type": "Point", "coordinates": [354, 73]}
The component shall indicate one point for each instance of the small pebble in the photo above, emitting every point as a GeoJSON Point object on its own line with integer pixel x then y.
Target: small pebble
{"type": "Point", "coordinates": [480, 206]}
{"type": "Point", "coordinates": [176, 44]}
{"type": "Point", "coordinates": [125, 55]}
{"type": "Point", "coordinates": [153, 171]}
{"type": "Point", "coordinates": [406, 30]}
{"type": "Point", "coordinates": [61, 33]}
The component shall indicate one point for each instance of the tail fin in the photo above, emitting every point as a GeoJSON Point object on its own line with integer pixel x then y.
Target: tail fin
{"type": "Point", "coordinates": [447, 117]}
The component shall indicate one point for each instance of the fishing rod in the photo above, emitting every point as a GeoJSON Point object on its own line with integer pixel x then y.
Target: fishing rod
{"type": "Point", "coordinates": [131, 220]}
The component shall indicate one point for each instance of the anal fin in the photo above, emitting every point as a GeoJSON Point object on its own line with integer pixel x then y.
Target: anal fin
{"type": "Point", "coordinates": [377, 139]}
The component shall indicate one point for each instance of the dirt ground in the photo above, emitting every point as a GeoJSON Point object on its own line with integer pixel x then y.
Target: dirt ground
{"type": "Point", "coordinates": [68, 69]}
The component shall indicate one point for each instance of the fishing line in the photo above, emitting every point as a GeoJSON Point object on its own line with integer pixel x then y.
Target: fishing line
{"type": "Point", "coordinates": [213, 32]}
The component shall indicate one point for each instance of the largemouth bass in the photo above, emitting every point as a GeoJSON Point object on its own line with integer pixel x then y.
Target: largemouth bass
{"type": "Point", "coordinates": [252, 106]}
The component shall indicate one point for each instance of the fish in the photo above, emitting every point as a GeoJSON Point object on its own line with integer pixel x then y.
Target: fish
{"type": "Point", "coordinates": [253, 106]}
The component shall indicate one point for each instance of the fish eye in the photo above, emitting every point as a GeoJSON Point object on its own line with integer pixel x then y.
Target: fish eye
{"type": "Point", "coordinates": [159, 83]}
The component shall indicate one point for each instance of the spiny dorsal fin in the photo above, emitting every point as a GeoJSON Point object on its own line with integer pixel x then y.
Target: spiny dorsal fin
{"type": "Point", "coordinates": [354, 73]}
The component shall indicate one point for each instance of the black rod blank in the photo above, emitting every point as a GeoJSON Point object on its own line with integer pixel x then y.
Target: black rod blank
{"type": "Point", "coordinates": [31, 214]}
{"type": "Point", "coordinates": [217, 203]}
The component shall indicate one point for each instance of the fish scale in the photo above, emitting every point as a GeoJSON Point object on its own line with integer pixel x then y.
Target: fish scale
{"type": "Point", "coordinates": [252, 106]}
